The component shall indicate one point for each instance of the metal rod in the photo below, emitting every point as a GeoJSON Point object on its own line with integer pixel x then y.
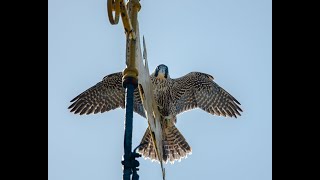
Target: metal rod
{"type": "Point", "coordinates": [129, 79]}
{"type": "Point", "coordinates": [127, 170]}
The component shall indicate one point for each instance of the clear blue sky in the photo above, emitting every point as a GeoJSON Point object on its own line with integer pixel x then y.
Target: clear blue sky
{"type": "Point", "coordinates": [229, 39]}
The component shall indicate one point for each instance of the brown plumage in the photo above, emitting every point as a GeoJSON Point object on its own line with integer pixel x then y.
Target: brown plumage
{"type": "Point", "coordinates": [105, 96]}
{"type": "Point", "coordinates": [174, 96]}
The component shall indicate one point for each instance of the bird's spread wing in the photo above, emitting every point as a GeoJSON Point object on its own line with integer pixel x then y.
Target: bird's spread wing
{"type": "Point", "coordinates": [198, 90]}
{"type": "Point", "coordinates": [105, 96]}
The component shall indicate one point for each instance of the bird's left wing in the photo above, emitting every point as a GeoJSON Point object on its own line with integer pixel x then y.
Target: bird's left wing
{"type": "Point", "coordinates": [105, 96]}
{"type": "Point", "coordinates": [198, 90]}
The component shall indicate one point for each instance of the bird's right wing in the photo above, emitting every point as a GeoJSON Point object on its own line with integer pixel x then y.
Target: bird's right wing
{"type": "Point", "coordinates": [104, 96]}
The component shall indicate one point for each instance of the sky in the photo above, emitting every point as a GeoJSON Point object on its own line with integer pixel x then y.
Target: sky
{"type": "Point", "coordinates": [229, 39]}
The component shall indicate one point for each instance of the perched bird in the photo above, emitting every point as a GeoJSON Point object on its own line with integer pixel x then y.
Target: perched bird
{"type": "Point", "coordinates": [173, 96]}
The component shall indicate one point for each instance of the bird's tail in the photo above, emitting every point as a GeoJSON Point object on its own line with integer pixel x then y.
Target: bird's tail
{"type": "Point", "coordinates": [175, 146]}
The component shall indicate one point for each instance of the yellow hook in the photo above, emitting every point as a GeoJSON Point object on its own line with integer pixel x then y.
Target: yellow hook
{"type": "Point", "coordinates": [113, 6]}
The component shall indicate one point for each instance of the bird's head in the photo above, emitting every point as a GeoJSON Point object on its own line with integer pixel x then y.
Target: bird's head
{"type": "Point", "coordinates": [161, 72]}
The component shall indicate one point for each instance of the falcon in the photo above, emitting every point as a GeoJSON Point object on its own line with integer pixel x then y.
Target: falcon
{"type": "Point", "coordinates": [173, 96]}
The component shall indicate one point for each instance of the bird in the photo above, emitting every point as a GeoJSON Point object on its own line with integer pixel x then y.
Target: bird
{"type": "Point", "coordinates": [173, 97]}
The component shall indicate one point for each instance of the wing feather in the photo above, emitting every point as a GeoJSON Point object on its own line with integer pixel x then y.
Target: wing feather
{"type": "Point", "coordinates": [105, 96]}
{"type": "Point", "coordinates": [198, 90]}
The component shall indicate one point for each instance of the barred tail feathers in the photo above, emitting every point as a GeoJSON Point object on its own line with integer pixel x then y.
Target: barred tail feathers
{"type": "Point", "coordinates": [147, 149]}
{"type": "Point", "coordinates": [175, 146]}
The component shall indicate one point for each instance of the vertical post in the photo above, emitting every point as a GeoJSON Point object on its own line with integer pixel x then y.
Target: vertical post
{"type": "Point", "coordinates": [129, 13]}
{"type": "Point", "coordinates": [127, 169]}
{"type": "Point", "coordinates": [130, 82]}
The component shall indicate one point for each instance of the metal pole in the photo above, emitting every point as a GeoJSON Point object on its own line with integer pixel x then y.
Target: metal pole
{"type": "Point", "coordinates": [129, 80]}
{"type": "Point", "coordinates": [127, 170]}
